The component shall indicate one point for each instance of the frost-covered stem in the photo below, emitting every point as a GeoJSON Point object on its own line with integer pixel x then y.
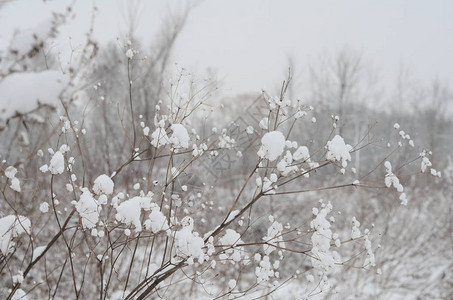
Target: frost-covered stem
{"type": "Point", "coordinates": [5, 198]}
{"type": "Point", "coordinates": [130, 103]}
{"type": "Point", "coordinates": [63, 236]}
{"type": "Point", "coordinates": [285, 85]}
{"type": "Point", "coordinates": [283, 90]}
{"type": "Point", "coordinates": [106, 127]}
{"type": "Point", "coordinates": [59, 279]}
{"type": "Point", "coordinates": [102, 279]}
{"type": "Point", "coordinates": [113, 261]}
{"type": "Point", "coordinates": [291, 129]}
{"type": "Point", "coordinates": [167, 183]}
{"type": "Point", "coordinates": [83, 276]}
{"type": "Point", "coordinates": [49, 245]}
{"type": "Point", "coordinates": [330, 187]}
{"type": "Point", "coordinates": [176, 210]}
{"type": "Point", "coordinates": [130, 160]}
{"type": "Point", "coordinates": [79, 147]}
{"type": "Point", "coordinates": [159, 280]}
{"type": "Point", "coordinates": [241, 191]}
{"type": "Point", "coordinates": [244, 209]}
{"type": "Point", "coordinates": [16, 133]}
{"type": "Point", "coordinates": [306, 172]}
{"type": "Point", "coordinates": [269, 244]}
{"type": "Point", "coordinates": [142, 284]}
{"type": "Point", "coordinates": [151, 168]}
{"type": "Point", "coordinates": [149, 256]}
{"type": "Point", "coordinates": [406, 164]}
{"type": "Point", "coordinates": [182, 153]}
{"type": "Point", "coordinates": [380, 163]}
{"type": "Point", "coordinates": [131, 264]}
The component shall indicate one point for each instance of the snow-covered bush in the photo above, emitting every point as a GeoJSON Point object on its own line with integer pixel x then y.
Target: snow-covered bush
{"type": "Point", "coordinates": [120, 218]}
{"type": "Point", "coordinates": [136, 232]}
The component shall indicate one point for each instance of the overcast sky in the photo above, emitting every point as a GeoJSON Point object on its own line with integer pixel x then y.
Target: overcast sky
{"type": "Point", "coordinates": [248, 43]}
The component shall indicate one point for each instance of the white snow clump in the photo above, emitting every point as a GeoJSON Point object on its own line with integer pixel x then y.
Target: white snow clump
{"type": "Point", "coordinates": [272, 145]}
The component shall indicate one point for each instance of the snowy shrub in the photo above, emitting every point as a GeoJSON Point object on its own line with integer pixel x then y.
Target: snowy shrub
{"type": "Point", "coordinates": [145, 228]}
{"type": "Point", "coordinates": [139, 235]}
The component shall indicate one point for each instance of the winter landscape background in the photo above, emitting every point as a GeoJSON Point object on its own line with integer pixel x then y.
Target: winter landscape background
{"type": "Point", "coordinates": [226, 150]}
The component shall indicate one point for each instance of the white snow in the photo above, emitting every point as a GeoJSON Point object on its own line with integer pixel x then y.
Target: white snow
{"type": "Point", "coordinates": [88, 209]}
{"type": "Point", "coordinates": [38, 251]}
{"type": "Point", "coordinates": [391, 180]}
{"type": "Point", "coordinates": [103, 184]}
{"type": "Point", "coordinates": [264, 271]}
{"type": "Point", "coordinates": [355, 231]}
{"type": "Point", "coordinates": [130, 53]}
{"type": "Point", "coordinates": [273, 177]}
{"type": "Point", "coordinates": [129, 211]}
{"type": "Point", "coordinates": [301, 153]}
{"type": "Point", "coordinates": [21, 92]}
{"type": "Point", "coordinates": [285, 165]}
{"type": "Point", "coordinates": [425, 163]}
{"type": "Point", "coordinates": [259, 181]}
{"type": "Point", "coordinates": [230, 238]}
{"type": "Point", "coordinates": [436, 173]}
{"type": "Point", "coordinates": [10, 227]}
{"type": "Point", "coordinates": [225, 141]}
{"type": "Point", "coordinates": [159, 138]}
{"type": "Point", "coordinates": [321, 240]}
{"type": "Point", "coordinates": [25, 39]}
{"type": "Point", "coordinates": [272, 145]}
{"type": "Point", "coordinates": [231, 283]}
{"type": "Point", "coordinates": [189, 243]}
{"type": "Point", "coordinates": [180, 136]}
{"type": "Point", "coordinates": [370, 260]}
{"type": "Point", "coordinates": [19, 278]}
{"type": "Point", "coordinates": [64, 148]}
{"type": "Point", "coordinates": [263, 123]}
{"type": "Point", "coordinates": [338, 150]}
{"type": "Point", "coordinates": [56, 165]}
{"type": "Point", "coordinates": [230, 241]}
{"type": "Point", "coordinates": [273, 237]}
{"type": "Point", "coordinates": [15, 184]}
{"type": "Point", "coordinates": [10, 172]}
{"type": "Point", "coordinates": [232, 215]}
{"type": "Point", "coordinates": [69, 187]}
{"type": "Point", "coordinates": [156, 221]}
{"type": "Point", "coordinates": [20, 295]}
{"type": "Point", "coordinates": [44, 207]}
